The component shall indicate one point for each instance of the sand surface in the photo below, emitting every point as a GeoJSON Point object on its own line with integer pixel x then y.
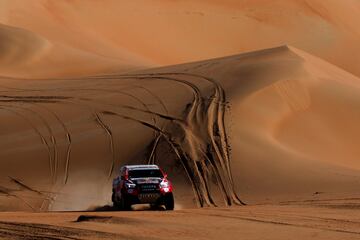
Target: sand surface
{"type": "Point", "coordinates": [273, 125]}
{"type": "Point", "coordinates": [331, 219]}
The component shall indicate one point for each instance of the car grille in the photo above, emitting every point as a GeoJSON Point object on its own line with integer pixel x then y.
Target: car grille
{"type": "Point", "coordinates": [147, 188]}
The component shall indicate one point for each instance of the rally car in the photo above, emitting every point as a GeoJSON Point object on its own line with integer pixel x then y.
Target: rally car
{"type": "Point", "coordinates": [140, 184]}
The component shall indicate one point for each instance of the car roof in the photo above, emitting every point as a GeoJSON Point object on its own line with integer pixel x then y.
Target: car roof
{"type": "Point", "coordinates": [142, 167]}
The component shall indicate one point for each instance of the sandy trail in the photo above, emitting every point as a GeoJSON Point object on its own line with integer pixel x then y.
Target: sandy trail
{"type": "Point", "coordinates": [330, 219]}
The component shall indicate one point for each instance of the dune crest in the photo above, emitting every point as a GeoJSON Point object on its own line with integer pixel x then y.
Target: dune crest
{"type": "Point", "coordinates": [19, 47]}
{"type": "Point", "coordinates": [143, 34]}
{"type": "Point", "coordinates": [26, 54]}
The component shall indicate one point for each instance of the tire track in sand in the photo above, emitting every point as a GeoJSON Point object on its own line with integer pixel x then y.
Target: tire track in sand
{"type": "Point", "coordinates": [200, 183]}
{"type": "Point", "coordinates": [182, 124]}
{"type": "Point", "coordinates": [67, 137]}
{"type": "Point", "coordinates": [177, 150]}
{"type": "Point", "coordinates": [98, 119]}
{"type": "Point", "coordinates": [216, 130]}
{"type": "Point", "coordinates": [42, 99]}
{"type": "Point", "coordinates": [32, 125]}
{"type": "Point", "coordinates": [151, 158]}
{"type": "Point", "coordinates": [52, 139]}
{"type": "Point", "coordinates": [106, 127]}
{"type": "Point", "coordinates": [101, 90]}
{"type": "Point", "coordinates": [216, 127]}
{"type": "Point", "coordinates": [224, 141]}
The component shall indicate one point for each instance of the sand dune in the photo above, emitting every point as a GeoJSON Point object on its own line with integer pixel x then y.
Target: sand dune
{"type": "Point", "coordinates": [171, 32]}
{"type": "Point", "coordinates": [25, 54]}
{"type": "Point", "coordinates": [287, 118]}
{"type": "Point", "coordinates": [19, 46]}
{"type": "Point", "coordinates": [238, 129]}
{"type": "Point", "coordinates": [88, 86]}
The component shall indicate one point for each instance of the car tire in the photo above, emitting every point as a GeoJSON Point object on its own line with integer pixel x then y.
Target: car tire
{"type": "Point", "coordinates": [116, 204]}
{"type": "Point", "coordinates": [169, 202]}
{"type": "Point", "coordinates": [125, 204]}
{"type": "Point", "coordinates": [113, 197]}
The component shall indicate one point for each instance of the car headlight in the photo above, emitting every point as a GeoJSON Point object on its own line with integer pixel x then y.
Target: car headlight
{"type": "Point", "coordinates": [164, 184]}
{"type": "Point", "coordinates": [130, 185]}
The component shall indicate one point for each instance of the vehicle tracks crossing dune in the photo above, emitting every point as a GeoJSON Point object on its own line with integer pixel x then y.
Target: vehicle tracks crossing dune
{"type": "Point", "coordinates": [199, 158]}
{"type": "Point", "coordinates": [202, 157]}
{"type": "Point", "coordinates": [177, 117]}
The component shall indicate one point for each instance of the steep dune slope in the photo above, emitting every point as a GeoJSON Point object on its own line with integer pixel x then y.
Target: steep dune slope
{"type": "Point", "coordinates": [162, 32]}
{"type": "Point", "coordinates": [240, 128]}
{"type": "Point", "coordinates": [292, 123]}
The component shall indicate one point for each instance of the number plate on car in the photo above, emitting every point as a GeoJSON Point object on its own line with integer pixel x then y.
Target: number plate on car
{"type": "Point", "coordinates": [148, 197]}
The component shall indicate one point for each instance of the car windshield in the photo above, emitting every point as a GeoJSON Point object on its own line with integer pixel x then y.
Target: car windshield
{"type": "Point", "coordinates": [144, 173]}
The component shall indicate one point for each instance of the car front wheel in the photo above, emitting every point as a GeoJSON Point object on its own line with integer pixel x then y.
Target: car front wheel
{"type": "Point", "coordinates": [125, 203]}
{"type": "Point", "coordinates": [169, 202]}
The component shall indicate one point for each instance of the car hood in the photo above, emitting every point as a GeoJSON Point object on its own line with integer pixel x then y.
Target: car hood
{"type": "Point", "coordinates": [146, 180]}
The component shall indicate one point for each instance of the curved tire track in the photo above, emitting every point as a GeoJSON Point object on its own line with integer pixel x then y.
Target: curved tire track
{"type": "Point", "coordinates": [197, 101]}
{"type": "Point", "coordinates": [42, 138]}
{"type": "Point", "coordinates": [216, 129]}
{"type": "Point", "coordinates": [52, 139]}
{"type": "Point", "coordinates": [177, 150]}
{"type": "Point", "coordinates": [221, 147]}
{"type": "Point", "coordinates": [68, 139]}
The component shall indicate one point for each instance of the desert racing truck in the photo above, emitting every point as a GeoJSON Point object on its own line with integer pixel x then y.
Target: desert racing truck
{"type": "Point", "coordinates": [140, 184]}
